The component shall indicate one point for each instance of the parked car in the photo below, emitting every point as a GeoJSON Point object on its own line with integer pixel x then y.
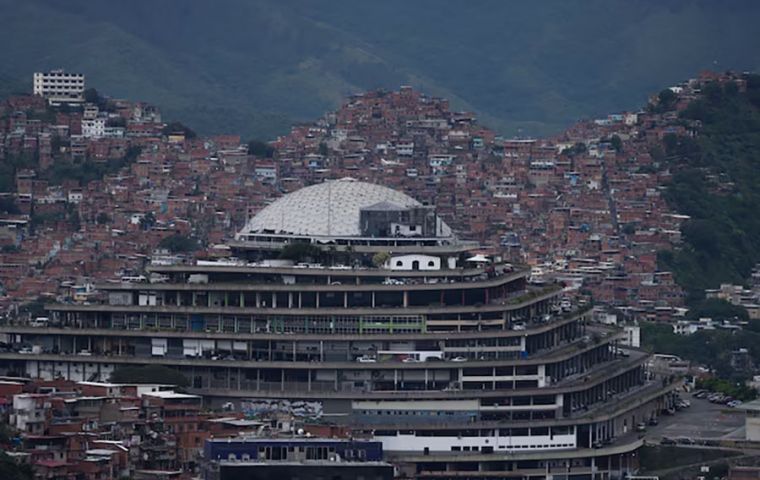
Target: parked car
{"type": "Point", "coordinates": [667, 441]}
{"type": "Point", "coordinates": [459, 359]}
{"type": "Point", "coordinates": [641, 427]}
{"type": "Point", "coordinates": [366, 359]}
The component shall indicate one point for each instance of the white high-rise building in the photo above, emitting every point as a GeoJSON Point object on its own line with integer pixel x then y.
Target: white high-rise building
{"type": "Point", "coordinates": [59, 87]}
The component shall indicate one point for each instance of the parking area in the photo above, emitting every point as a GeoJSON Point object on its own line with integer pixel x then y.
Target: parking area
{"type": "Point", "coordinates": [703, 420]}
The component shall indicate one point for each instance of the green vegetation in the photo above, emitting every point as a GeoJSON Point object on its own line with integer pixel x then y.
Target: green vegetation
{"type": "Point", "coordinates": [666, 100]}
{"type": "Point", "coordinates": [35, 308]}
{"type": "Point", "coordinates": [710, 348]}
{"type": "Point", "coordinates": [147, 221]}
{"type": "Point", "coordinates": [177, 127]}
{"type": "Point", "coordinates": [8, 168]}
{"type": "Point", "coordinates": [718, 309]}
{"type": "Point", "coordinates": [149, 374]}
{"type": "Point", "coordinates": [738, 390]}
{"type": "Point", "coordinates": [179, 244]}
{"type": "Point", "coordinates": [7, 205]}
{"type": "Point", "coordinates": [379, 259]}
{"type": "Point", "coordinates": [716, 182]}
{"type": "Point", "coordinates": [301, 252]}
{"type": "Point", "coordinates": [255, 67]}
{"type": "Point", "coordinates": [93, 96]}
{"type": "Point", "coordinates": [10, 470]}
{"type": "Point", "coordinates": [260, 149]}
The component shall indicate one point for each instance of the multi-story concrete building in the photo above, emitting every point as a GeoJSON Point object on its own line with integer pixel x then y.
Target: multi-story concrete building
{"type": "Point", "coordinates": [362, 306]}
{"type": "Point", "coordinates": [59, 87]}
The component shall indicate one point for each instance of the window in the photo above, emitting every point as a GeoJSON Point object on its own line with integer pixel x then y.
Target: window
{"type": "Point", "coordinates": [431, 263]}
{"type": "Point", "coordinates": [399, 263]}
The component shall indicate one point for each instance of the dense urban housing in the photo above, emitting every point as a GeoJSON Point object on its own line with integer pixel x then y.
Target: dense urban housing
{"type": "Point", "coordinates": [359, 304]}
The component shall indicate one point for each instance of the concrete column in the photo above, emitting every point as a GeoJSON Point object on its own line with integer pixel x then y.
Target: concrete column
{"type": "Point", "coordinates": [406, 298]}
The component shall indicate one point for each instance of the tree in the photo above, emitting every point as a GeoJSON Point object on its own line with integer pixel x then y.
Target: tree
{"type": "Point", "coordinates": [91, 96]}
{"type": "Point", "coordinates": [719, 309]}
{"type": "Point", "coordinates": [10, 470]}
{"type": "Point", "coordinates": [617, 144]}
{"type": "Point", "coordinates": [178, 127]}
{"type": "Point", "coordinates": [666, 100]}
{"type": "Point", "coordinates": [7, 205]}
{"type": "Point", "coordinates": [379, 259]}
{"type": "Point", "coordinates": [178, 243]}
{"type": "Point", "coordinates": [301, 252]}
{"type": "Point", "coordinates": [149, 374]}
{"type": "Point", "coordinates": [147, 221]}
{"type": "Point", "coordinates": [260, 149]}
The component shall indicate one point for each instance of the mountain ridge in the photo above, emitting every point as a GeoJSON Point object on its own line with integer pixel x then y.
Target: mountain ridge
{"type": "Point", "coordinates": [257, 67]}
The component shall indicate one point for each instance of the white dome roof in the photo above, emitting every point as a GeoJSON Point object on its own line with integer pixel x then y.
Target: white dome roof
{"type": "Point", "coordinates": [326, 209]}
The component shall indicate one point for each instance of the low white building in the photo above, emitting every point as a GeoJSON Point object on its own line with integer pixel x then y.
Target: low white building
{"type": "Point", "coordinates": [413, 262]}
{"type": "Point", "coordinates": [75, 196]}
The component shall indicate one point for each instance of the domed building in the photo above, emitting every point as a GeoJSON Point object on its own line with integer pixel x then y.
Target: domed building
{"type": "Point", "coordinates": [346, 212]}
{"type": "Point", "coordinates": [332, 210]}
{"type": "Point", "coordinates": [360, 304]}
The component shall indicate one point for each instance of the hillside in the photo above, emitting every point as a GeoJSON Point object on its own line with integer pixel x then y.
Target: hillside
{"type": "Point", "coordinates": [716, 181]}
{"type": "Point", "coordinates": [254, 67]}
